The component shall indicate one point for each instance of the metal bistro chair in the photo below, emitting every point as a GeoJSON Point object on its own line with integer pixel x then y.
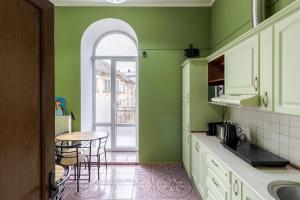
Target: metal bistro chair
{"type": "Point", "coordinates": [60, 187]}
{"type": "Point", "coordinates": [101, 151]}
{"type": "Point", "coordinates": [68, 156]}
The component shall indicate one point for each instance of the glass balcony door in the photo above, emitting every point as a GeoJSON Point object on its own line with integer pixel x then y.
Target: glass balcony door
{"type": "Point", "coordinates": [115, 102]}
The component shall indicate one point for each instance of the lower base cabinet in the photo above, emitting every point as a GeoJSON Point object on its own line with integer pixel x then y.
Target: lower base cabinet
{"type": "Point", "coordinates": [249, 194]}
{"type": "Point", "coordinates": [186, 140]}
{"type": "Point", "coordinates": [212, 193]}
{"type": "Point", "coordinates": [236, 188]}
{"type": "Point", "coordinates": [195, 161]}
{"type": "Point", "coordinates": [197, 171]}
{"type": "Point", "coordinates": [202, 172]}
{"type": "Point", "coordinates": [212, 178]}
{"type": "Point", "coordinates": [217, 186]}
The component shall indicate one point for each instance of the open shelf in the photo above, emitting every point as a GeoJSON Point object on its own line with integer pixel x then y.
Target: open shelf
{"type": "Point", "coordinates": [219, 81]}
{"type": "Point", "coordinates": [216, 71]}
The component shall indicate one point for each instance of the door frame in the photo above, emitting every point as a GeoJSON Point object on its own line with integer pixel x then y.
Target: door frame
{"type": "Point", "coordinates": [112, 124]}
{"type": "Point", "coordinates": [47, 90]}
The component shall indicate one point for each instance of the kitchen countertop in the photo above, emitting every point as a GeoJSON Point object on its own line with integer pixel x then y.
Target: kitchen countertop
{"type": "Point", "coordinates": [256, 179]}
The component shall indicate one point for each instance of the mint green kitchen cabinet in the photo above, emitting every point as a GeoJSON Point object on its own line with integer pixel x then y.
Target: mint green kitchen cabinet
{"type": "Point", "coordinates": [198, 162]}
{"type": "Point", "coordinates": [211, 192]}
{"type": "Point", "coordinates": [249, 194]}
{"type": "Point", "coordinates": [217, 178]}
{"type": "Point", "coordinates": [186, 152]}
{"type": "Point", "coordinates": [266, 69]}
{"type": "Point", "coordinates": [195, 161]}
{"type": "Point", "coordinates": [201, 186]}
{"type": "Point", "coordinates": [186, 135]}
{"type": "Point", "coordinates": [236, 188]}
{"type": "Point", "coordinates": [286, 63]}
{"type": "Point", "coordinates": [194, 91]}
{"type": "Point", "coordinates": [196, 111]}
{"type": "Point", "coordinates": [242, 67]}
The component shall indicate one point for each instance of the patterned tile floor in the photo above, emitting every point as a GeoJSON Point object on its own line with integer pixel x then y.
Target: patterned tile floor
{"type": "Point", "coordinates": [122, 157]}
{"type": "Point", "coordinates": [135, 182]}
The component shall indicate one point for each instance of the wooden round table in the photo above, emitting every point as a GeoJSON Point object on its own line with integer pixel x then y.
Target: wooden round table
{"type": "Point", "coordinates": [82, 137]}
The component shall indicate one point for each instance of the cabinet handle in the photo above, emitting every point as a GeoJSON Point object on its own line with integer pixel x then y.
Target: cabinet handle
{"type": "Point", "coordinates": [197, 146]}
{"type": "Point", "coordinates": [236, 188]}
{"type": "Point", "coordinates": [215, 164]}
{"type": "Point", "coordinates": [215, 182]}
{"type": "Point", "coordinates": [256, 83]}
{"type": "Point", "coordinates": [265, 100]}
{"type": "Point", "coordinates": [188, 139]}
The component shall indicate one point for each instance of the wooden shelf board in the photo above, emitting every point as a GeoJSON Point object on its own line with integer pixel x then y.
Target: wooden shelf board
{"type": "Point", "coordinates": [216, 80]}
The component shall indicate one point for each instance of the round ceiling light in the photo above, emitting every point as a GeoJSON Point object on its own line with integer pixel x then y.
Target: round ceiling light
{"type": "Point", "coordinates": [116, 1]}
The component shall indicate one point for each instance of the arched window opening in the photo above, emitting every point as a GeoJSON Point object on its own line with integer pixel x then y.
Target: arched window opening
{"type": "Point", "coordinates": [117, 45]}
{"type": "Point", "coordinates": [115, 83]}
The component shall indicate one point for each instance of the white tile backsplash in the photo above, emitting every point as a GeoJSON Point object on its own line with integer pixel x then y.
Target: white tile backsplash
{"type": "Point", "coordinates": [275, 127]}
{"type": "Point", "coordinates": [284, 129]}
{"type": "Point", "coordinates": [284, 119]}
{"type": "Point", "coordinates": [278, 133]}
{"type": "Point", "coordinates": [295, 121]}
{"type": "Point", "coordinates": [295, 132]}
{"type": "Point", "coordinates": [294, 144]}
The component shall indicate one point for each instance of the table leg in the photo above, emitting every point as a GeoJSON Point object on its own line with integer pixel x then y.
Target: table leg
{"type": "Point", "coordinates": [77, 178]}
{"type": "Point", "coordinates": [90, 160]}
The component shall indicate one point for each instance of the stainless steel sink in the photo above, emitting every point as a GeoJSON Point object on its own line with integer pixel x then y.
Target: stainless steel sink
{"type": "Point", "coordinates": [284, 190]}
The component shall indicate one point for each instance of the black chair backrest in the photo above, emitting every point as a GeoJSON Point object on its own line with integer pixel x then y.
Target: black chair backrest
{"type": "Point", "coordinates": [102, 144]}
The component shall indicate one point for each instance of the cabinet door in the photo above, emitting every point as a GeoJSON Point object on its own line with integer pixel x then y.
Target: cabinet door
{"type": "Point", "coordinates": [186, 116]}
{"type": "Point", "coordinates": [184, 145]}
{"type": "Point", "coordinates": [195, 160]}
{"type": "Point", "coordinates": [266, 69]}
{"type": "Point", "coordinates": [212, 192]}
{"type": "Point", "coordinates": [236, 188]}
{"type": "Point", "coordinates": [241, 68]}
{"type": "Point", "coordinates": [185, 81]}
{"type": "Point", "coordinates": [186, 152]}
{"type": "Point", "coordinates": [201, 170]}
{"type": "Point", "coordinates": [249, 194]}
{"type": "Point", "coordinates": [211, 195]}
{"type": "Point", "coordinates": [287, 69]}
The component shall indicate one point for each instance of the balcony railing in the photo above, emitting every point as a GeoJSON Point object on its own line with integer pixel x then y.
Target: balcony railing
{"type": "Point", "coordinates": [126, 115]}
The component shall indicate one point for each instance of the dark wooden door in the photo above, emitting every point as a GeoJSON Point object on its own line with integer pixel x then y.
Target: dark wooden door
{"type": "Point", "coordinates": [26, 99]}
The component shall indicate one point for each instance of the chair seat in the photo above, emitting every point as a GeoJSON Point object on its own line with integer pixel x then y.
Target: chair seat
{"type": "Point", "coordinates": [72, 160]}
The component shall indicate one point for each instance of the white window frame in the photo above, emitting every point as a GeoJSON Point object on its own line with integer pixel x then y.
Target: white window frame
{"type": "Point", "coordinates": [113, 125]}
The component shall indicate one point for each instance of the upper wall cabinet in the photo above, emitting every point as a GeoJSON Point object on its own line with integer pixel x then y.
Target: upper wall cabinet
{"type": "Point", "coordinates": [241, 68]}
{"type": "Point", "coordinates": [197, 111]}
{"type": "Point", "coordinates": [286, 64]}
{"type": "Point", "coordinates": [266, 69]}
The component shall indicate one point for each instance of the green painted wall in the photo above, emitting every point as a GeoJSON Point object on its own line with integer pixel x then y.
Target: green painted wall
{"type": "Point", "coordinates": [231, 18]}
{"type": "Point", "coordinates": [164, 33]}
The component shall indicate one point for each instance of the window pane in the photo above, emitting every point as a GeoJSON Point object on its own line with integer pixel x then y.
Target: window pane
{"type": "Point", "coordinates": [126, 92]}
{"type": "Point", "coordinates": [103, 91]}
{"type": "Point", "coordinates": [126, 136]}
{"type": "Point", "coordinates": [116, 44]}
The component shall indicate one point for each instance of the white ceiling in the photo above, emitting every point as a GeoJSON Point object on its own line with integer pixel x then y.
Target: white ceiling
{"type": "Point", "coordinates": [143, 3]}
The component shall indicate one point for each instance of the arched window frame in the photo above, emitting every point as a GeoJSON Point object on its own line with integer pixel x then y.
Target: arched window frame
{"type": "Point", "coordinates": [110, 33]}
{"type": "Point", "coordinates": [89, 38]}
{"type": "Point", "coordinates": [116, 58]}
